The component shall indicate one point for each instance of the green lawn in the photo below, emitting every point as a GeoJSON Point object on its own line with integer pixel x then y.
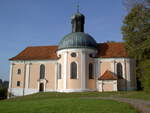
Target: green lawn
{"type": "Point", "coordinates": [64, 103]}
{"type": "Point", "coordinates": [127, 94]}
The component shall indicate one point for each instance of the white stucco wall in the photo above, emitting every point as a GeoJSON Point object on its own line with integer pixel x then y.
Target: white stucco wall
{"type": "Point", "coordinates": [30, 73]}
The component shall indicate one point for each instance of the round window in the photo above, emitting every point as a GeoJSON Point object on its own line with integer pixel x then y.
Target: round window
{"type": "Point", "coordinates": [73, 54]}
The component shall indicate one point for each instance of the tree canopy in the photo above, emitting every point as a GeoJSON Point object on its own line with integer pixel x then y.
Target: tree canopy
{"type": "Point", "coordinates": [136, 34]}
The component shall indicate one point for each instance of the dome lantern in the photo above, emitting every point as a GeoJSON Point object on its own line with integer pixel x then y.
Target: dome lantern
{"type": "Point", "coordinates": [77, 22]}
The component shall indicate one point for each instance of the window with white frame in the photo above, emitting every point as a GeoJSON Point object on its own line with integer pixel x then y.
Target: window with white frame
{"type": "Point", "coordinates": [91, 74]}
{"type": "Point", "coordinates": [119, 70]}
{"type": "Point", "coordinates": [73, 54]}
{"type": "Point", "coordinates": [18, 83]}
{"type": "Point", "coordinates": [42, 71]}
{"type": "Point", "coordinates": [59, 71]}
{"type": "Point", "coordinates": [73, 70]}
{"type": "Point", "coordinates": [19, 71]}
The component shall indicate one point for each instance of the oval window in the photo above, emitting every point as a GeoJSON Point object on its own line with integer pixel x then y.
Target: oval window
{"type": "Point", "coordinates": [73, 54]}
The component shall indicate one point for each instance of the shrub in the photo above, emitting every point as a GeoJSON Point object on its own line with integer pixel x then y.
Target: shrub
{"type": "Point", "coordinates": [3, 93]}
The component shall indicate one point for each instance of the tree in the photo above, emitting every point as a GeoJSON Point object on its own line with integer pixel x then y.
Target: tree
{"type": "Point", "coordinates": [145, 65]}
{"type": "Point", "coordinates": [136, 34]}
{"type": "Point", "coordinates": [3, 93]}
{"type": "Point", "coordinates": [129, 4]}
{"type": "Point", "coordinates": [1, 83]}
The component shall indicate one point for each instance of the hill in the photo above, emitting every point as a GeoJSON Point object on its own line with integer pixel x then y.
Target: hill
{"type": "Point", "coordinates": [64, 103]}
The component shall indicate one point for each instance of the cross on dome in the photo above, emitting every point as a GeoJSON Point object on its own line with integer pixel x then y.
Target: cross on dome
{"type": "Point", "coordinates": [78, 7]}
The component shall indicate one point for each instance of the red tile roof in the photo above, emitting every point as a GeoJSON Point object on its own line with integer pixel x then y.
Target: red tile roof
{"type": "Point", "coordinates": [37, 53]}
{"type": "Point", "coordinates": [108, 75]}
{"type": "Point", "coordinates": [105, 50]}
{"type": "Point", "coordinates": [112, 50]}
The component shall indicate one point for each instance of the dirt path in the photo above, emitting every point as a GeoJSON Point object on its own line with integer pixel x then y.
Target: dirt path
{"type": "Point", "coordinates": [141, 105]}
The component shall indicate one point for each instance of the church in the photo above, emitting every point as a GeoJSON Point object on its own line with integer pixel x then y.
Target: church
{"type": "Point", "coordinates": [77, 64]}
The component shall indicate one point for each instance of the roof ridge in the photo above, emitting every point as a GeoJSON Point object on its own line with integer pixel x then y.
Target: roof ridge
{"type": "Point", "coordinates": [108, 75]}
{"type": "Point", "coordinates": [111, 42]}
{"type": "Point", "coordinates": [57, 45]}
{"type": "Point", "coordinates": [44, 46]}
{"type": "Point", "coordinates": [105, 50]}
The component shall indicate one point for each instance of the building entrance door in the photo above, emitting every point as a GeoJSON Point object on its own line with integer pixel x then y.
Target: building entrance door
{"type": "Point", "coordinates": [41, 87]}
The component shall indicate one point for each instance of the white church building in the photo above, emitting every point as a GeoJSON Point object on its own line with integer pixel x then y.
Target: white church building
{"type": "Point", "coordinates": [77, 64]}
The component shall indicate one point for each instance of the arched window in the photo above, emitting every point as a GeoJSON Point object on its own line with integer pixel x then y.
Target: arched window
{"type": "Point", "coordinates": [59, 71]}
{"type": "Point", "coordinates": [91, 76]}
{"type": "Point", "coordinates": [119, 69]}
{"type": "Point", "coordinates": [42, 71]}
{"type": "Point", "coordinates": [19, 71]}
{"type": "Point", "coordinates": [73, 70]}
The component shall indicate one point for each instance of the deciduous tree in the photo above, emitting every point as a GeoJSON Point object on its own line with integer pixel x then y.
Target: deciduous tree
{"type": "Point", "coordinates": [136, 34]}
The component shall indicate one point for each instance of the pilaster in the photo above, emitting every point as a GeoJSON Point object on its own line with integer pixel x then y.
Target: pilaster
{"type": "Point", "coordinates": [56, 75]}
{"type": "Point", "coordinates": [128, 74]}
{"type": "Point", "coordinates": [65, 69]}
{"type": "Point", "coordinates": [113, 66]}
{"type": "Point", "coordinates": [10, 79]}
{"type": "Point", "coordinates": [10, 75]}
{"type": "Point", "coordinates": [27, 74]}
{"type": "Point", "coordinates": [83, 70]}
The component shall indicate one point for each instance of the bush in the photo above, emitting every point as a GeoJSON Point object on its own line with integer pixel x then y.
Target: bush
{"type": "Point", "coordinates": [145, 70]}
{"type": "Point", "coordinates": [3, 93]}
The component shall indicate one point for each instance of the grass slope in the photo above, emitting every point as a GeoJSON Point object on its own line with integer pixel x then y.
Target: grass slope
{"type": "Point", "coordinates": [64, 103]}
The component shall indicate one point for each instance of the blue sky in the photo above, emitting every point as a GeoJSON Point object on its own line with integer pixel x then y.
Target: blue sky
{"type": "Point", "coordinates": [44, 22]}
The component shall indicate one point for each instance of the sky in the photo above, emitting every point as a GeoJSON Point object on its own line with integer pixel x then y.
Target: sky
{"type": "Point", "coordinates": [26, 23]}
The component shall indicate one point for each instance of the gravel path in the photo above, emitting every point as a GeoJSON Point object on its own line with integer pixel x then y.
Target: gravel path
{"type": "Point", "coordinates": [141, 105]}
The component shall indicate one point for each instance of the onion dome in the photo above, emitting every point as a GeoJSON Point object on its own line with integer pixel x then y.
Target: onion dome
{"type": "Point", "coordinates": [77, 39]}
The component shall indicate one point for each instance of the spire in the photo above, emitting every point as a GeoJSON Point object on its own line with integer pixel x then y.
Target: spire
{"type": "Point", "coordinates": [78, 21]}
